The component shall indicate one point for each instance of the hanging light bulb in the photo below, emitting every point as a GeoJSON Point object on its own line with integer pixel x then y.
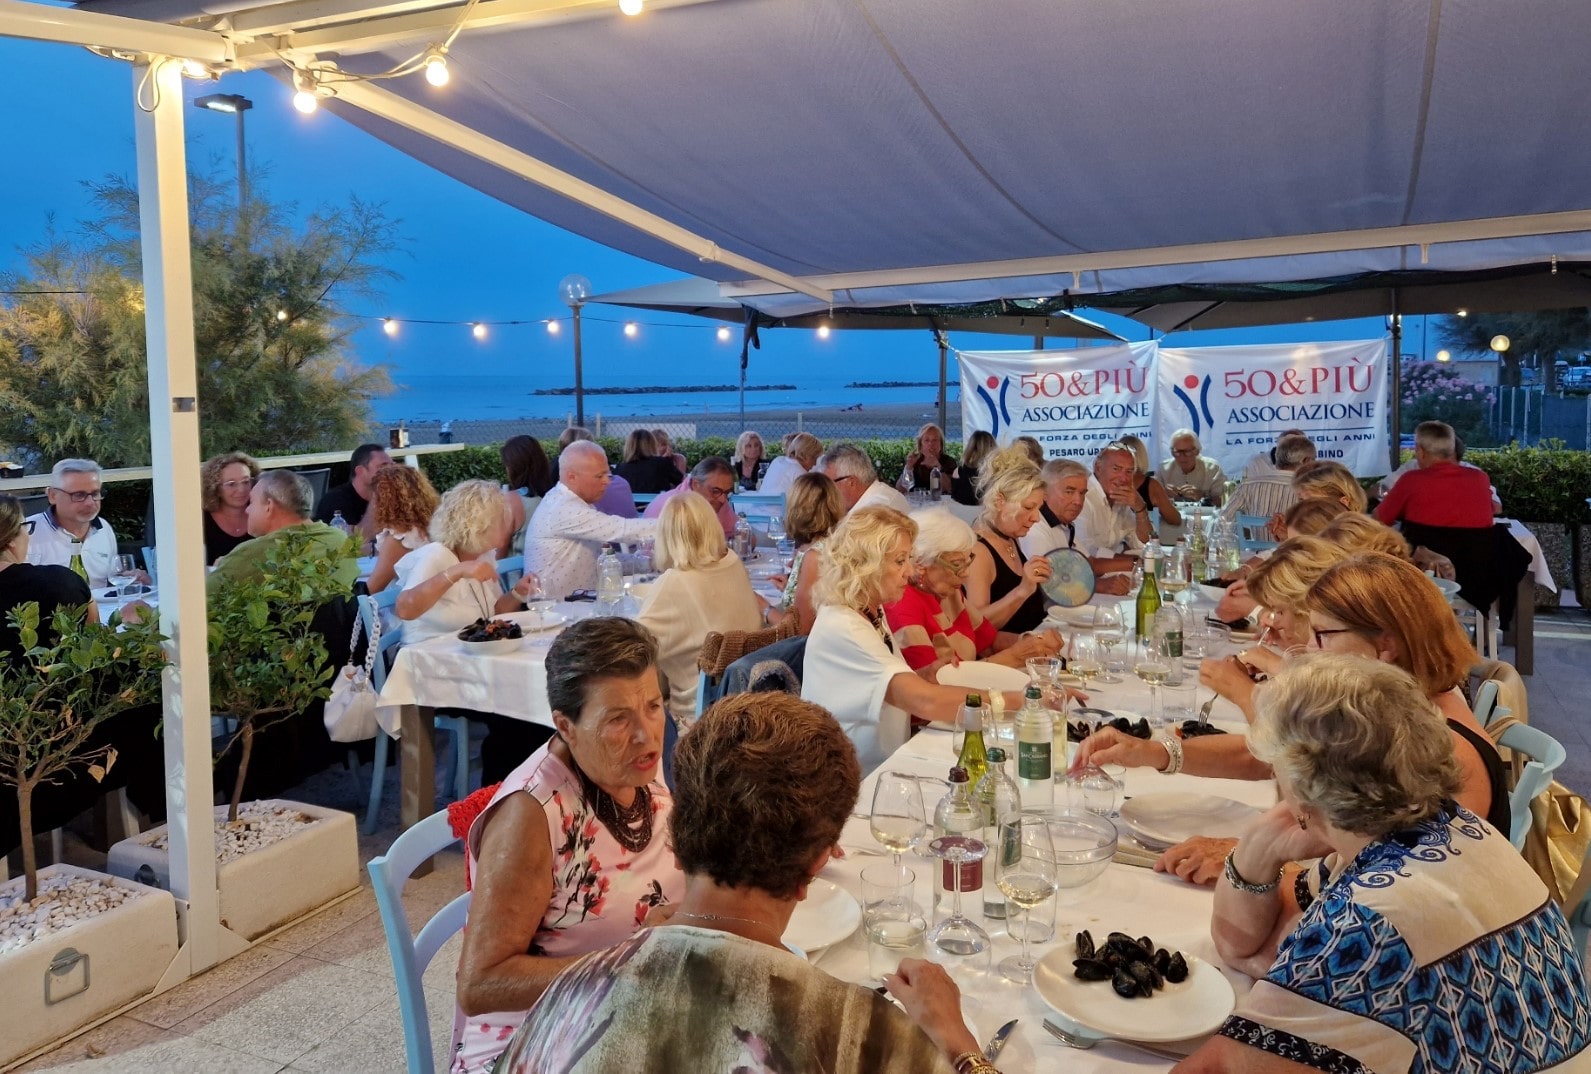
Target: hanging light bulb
{"type": "Point", "coordinates": [281, 315]}
{"type": "Point", "coordinates": [723, 335]}
{"type": "Point", "coordinates": [630, 7]}
{"type": "Point", "coordinates": [436, 71]}
{"type": "Point", "coordinates": [389, 326]}
{"type": "Point", "coordinates": [823, 331]}
{"type": "Point", "coordinates": [195, 69]}
{"type": "Point", "coordinates": [630, 329]}
{"type": "Point", "coordinates": [305, 99]}
{"type": "Point", "coordinates": [553, 328]}
{"type": "Point", "coordinates": [478, 330]}
{"type": "Point", "coordinates": [1462, 313]}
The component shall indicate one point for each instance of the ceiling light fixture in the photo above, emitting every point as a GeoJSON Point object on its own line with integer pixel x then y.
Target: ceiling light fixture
{"type": "Point", "coordinates": [630, 7]}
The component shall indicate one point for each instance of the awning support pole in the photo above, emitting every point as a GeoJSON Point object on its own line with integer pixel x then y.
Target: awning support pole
{"type": "Point", "coordinates": [1395, 409]}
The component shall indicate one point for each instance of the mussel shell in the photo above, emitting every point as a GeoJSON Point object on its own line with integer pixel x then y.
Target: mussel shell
{"type": "Point", "coordinates": [1161, 960]}
{"type": "Point", "coordinates": [1085, 944]}
{"type": "Point", "coordinates": [1177, 968]}
{"type": "Point", "coordinates": [1148, 946]}
{"type": "Point", "coordinates": [1118, 938]}
{"type": "Point", "coordinates": [1125, 984]}
{"type": "Point", "coordinates": [1091, 969]}
{"type": "Point", "coordinates": [1147, 976]}
{"type": "Point", "coordinates": [1140, 729]}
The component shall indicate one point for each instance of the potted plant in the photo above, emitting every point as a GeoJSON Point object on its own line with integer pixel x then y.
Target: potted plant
{"type": "Point", "coordinates": [276, 860]}
{"type": "Point", "coordinates": [57, 923]}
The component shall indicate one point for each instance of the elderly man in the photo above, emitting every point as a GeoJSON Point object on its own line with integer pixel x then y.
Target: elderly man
{"type": "Point", "coordinates": [1114, 519]}
{"type": "Point", "coordinates": [278, 504]}
{"type": "Point", "coordinates": [1066, 487]}
{"type": "Point", "coordinates": [1270, 494]}
{"type": "Point", "coordinates": [352, 497]}
{"type": "Point", "coordinates": [69, 532]}
{"type": "Point", "coordinates": [1188, 475]}
{"type": "Point", "coordinates": [618, 499]}
{"type": "Point", "coordinates": [1414, 464]}
{"type": "Point", "coordinates": [713, 479]}
{"type": "Point", "coordinates": [1442, 491]}
{"type": "Point", "coordinates": [852, 472]}
{"type": "Point", "coordinates": [1264, 462]}
{"type": "Point", "coordinates": [567, 532]}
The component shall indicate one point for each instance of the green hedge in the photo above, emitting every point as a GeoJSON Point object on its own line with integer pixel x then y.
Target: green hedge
{"type": "Point", "coordinates": [1547, 483]}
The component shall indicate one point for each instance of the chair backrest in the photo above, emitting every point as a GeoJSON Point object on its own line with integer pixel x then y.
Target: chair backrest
{"type": "Point", "coordinates": [1254, 533]}
{"type": "Point", "coordinates": [1543, 755]}
{"type": "Point", "coordinates": [317, 484]}
{"type": "Point", "coordinates": [1504, 684]}
{"type": "Point", "coordinates": [411, 954]}
{"type": "Point", "coordinates": [509, 571]}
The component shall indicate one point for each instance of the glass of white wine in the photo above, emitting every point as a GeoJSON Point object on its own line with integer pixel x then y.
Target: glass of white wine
{"type": "Point", "coordinates": [1024, 871]}
{"type": "Point", "coordinates": [1152, 664]}
{"type": "Point", "coordinates": [1108, 634]}
{"type": "Point", "coordinates": [1177, 576]}
{"type": "Point", "coordinates": [897, 820]}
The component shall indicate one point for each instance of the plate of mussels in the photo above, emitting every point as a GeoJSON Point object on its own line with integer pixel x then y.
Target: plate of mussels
{"type": "Point", "coordinates": [492, 636]}
{"type": "Point", "coordinates": [1133, 988]}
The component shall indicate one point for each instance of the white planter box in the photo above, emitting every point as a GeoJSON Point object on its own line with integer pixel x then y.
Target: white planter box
{"type": "Point", "coordinates": [126, 950]}
{"type": "Point", "coordinates": [266, 887]}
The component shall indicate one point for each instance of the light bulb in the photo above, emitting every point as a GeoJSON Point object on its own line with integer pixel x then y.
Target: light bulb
{"type": "Point", "coordinates": [552, 328]}
{"type": "Point", "coordinates": [723, 335]}
{"type": "Point", "coordinates": [195, 69]}
{"type": "Point", "coordinates": [823, 331]}
{"type": "Point", "coordinates": [630, 329]}
{"type": "Point", "coordinates": [281, 315]}
{"type": "Point", "coordinates": [389, 326]}
{"type": "Point", "coordinates": [436, 71]}
{"type": "Point", "coordinates": [1500, 343]}
{"type": "Point", "coordinates": [630, 7]}
{"type": "Point", "coordinates": [1462, 313]}
{"type": "Point", "coordinates": [306, 101]}
{"type": "Point", "coordinates": [478, 330]}
{"type": "Point", "coordinates": [1443, 356]}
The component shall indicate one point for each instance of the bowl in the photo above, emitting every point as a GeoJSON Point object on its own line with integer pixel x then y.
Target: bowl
{"type": "Point", "coordinates": [1084, 846]}
{"type": "Point", "coordinates": [494, 647]}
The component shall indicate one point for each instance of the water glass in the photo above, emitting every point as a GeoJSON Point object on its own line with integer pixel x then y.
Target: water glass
{"type": "Point", "coordinates": [1095, 790]}
{"type": "Point", "coordinates": [1042, 671]}
{"type": "Point", "coordinates": [887, 891]}
{"type": "Point", "coordinates": [1180, 699]}
{"type": "Point", "coordinates": [891, 939]}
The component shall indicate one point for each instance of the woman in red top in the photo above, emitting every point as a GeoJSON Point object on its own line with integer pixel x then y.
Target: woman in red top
{"type": "Point", "coordinates": [932, 623]}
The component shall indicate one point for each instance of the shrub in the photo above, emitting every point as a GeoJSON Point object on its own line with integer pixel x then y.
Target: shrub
{"type": "Point", "coordinates": [1547, 483]}
{"type": "Point", "coordinates": [1436, 392]}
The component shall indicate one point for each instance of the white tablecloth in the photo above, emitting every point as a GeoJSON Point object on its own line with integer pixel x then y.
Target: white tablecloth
{"type": "Point", "coordinates": [1538, 562]}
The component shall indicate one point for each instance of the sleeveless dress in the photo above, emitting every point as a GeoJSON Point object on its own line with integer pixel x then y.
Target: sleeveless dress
{"type": "Point", "coordinates": [1030, 614]}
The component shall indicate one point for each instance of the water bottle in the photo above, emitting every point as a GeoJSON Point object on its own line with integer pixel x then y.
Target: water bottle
{"type": "Point", "coordinates": [1167, 626]}
{"type": "Point", "coordinates": [999, 799]}
{"type": "Point", "coordinates": [935, 483]}
{"type": "Point", "coordinates": [745, 542]}
{"type": "Point", "coordinates": [340, 524]}
{"type": "Point", "coordinates": [610, 580]}
{"type": "Point", "coordinates": [1035, 744]}
{"type": "Point", "coordinates": [958, 814]}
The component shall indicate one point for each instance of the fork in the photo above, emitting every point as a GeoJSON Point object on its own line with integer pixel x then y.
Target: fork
{"type": "Point", "coordinates": [1082, 1043]}
{"type": "Point", "coordinates": [1204, 711]}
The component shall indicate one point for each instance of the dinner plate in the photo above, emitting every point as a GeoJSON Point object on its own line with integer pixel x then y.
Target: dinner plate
{"type": "Point", "coordinates": [133, 592]}
{"type": "Point", "coordinates": [535, 619]}
{"type": "Point", "coordinates": [826, 916]}
{"type": "Point", "coordinates": [1071, 580]}
{"type": "Point", "coordinates": [1169, 817]}
{"type": "Point", "coordinates": [1448, 586]}
{"type": "Point", "coordinates": [1080, 617]}
{"type": "Point", "coordinates": [1193, 1008]}
{"type": "Point", "coordinates": [983, 675]}
{"type": "Point", "coordinates": [1212, 593]}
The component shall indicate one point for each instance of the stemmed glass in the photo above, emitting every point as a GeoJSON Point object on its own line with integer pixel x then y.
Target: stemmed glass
{"type": "Point", "coordinates": [958, 934]}
{"type": "Point", "coordinates": [776, 528]}
{"type": "Point", "coordinates": [1108, 634]}
{"type": "Point", "coordinates": [1024, 871]}
{"type": "Point", "coordinates": [1177, 577]}
{"type": "Point", "coordinates": [1152, 664]}
{"type": "Point", "coordinates": [123, 573]}
{"type": "Point", "coordinates": [897, 820]}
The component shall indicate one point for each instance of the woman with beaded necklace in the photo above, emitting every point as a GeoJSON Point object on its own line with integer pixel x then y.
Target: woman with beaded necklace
{"type": "Point", "coordinates": [571, 853]}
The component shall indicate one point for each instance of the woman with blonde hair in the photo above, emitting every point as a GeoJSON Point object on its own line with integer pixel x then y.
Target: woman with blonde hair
{"type": "Point", "coordinates": [1150, 490]}
{"type": "Point", "coordinates": [1003, 584]}
{"type": "Point", "coordinates": [642, 468]}
{"type": "Point", "coordinates": [224, 486]}
{"type": "Point", "coordinates": [964, 482]}
{"type": "Point", "coordinates": [927, 455]}
{"type": "Point", "coordinates": [801, 451]}
{"type": "Point", "coordinates": [1362, 533]}
{"type": "Point", "coordinates": [665, 450]}
{"type": "Point", "coordinates": [703, 587]}
{"type": "Point", "coordinates": [812, 508]}
{"type": "Point", "coordinates": [750, 466]}
{"type": "Point", "coordinates": [852, 667]}
{"type": "Point", "coordinates": [402, 502]}
{"type": "Point", "coordinates": [1323, 480]}
{"type": "Point", "coordinates": [1307, 518]}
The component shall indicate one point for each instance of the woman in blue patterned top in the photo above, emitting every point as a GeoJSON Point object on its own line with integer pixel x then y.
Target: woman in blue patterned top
{"type": "Point", "coordinates": [1427, 944]}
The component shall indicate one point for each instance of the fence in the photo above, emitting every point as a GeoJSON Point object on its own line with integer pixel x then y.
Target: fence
{"type": "Point", "coordinates": [1531, 414]}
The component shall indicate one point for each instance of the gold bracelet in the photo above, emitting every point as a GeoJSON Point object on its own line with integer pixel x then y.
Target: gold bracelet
{"type": "Point", "coordinates": [973, 1063]}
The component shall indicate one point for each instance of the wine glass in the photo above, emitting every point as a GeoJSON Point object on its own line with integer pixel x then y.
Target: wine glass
{"type": "Point", "coordinates": [897, 820]}
{"type": "Point", "coordinates": [1108, 634]}
{"type": "Point", "coordinates": [1152, 664]}
{"type": "Point", "coordinates": [958, 934]}
{"type": "Point", "coordinates": [1024, 871]}
{"type": "Point", "coordinates": [776, 528]}
{"type": "Point", "coordinates": [1177, 575]}
{"type": "Point", "coordinates": [123, 573]}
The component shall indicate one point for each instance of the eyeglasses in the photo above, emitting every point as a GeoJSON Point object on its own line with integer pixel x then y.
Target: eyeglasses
{"type": "Point", "coordinates": [1185, 451]}
{"type": "Point", "coordinates": [717, 492]}
{"type": "Point", "coordinates": [955, 566]}
{"type": "Point", "coordinates": [240, 483]}
{"type": "Point", "coordinates": [1321, 635]}
{"type": "Point", "coordinates": [28, 524]}
{"type": "Point", "coordinates": [79, 497]}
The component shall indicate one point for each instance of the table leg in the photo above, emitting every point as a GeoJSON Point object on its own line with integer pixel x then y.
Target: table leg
{"type": "Point", "coordinates": [417, 768]}
{"type": "Point", "coordinates": [1524, 631]}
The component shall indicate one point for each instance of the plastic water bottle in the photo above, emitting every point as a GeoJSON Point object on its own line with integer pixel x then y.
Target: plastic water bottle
{"type": "Point", "coordinates": [999, 799]}
{"type": "Point", "coordinates": [1167, 626]}
{"type": "Point", "coordinates": [745, 542]}
{"type": "Point", "coordinates": [935, 483]}
{"type": "Point", "coordinates": [610, 580]}
{"type": "Point", "coordinates": [1035, 745]}
{"type": "Point", "coordinates": [340, 524]}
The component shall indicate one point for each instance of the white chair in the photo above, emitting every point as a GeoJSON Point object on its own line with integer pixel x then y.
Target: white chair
{"type": "Point", "coordinates": [1498, 691]}
{"type": "Point", "coordinates": [1543, 755]}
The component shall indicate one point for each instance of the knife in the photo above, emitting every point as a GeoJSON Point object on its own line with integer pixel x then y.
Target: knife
{"type": "Point", "coordinates": [991, 1051]}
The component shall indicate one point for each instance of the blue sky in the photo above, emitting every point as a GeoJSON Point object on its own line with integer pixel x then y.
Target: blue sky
{"type": "Point", "coordinates": [466, 257]}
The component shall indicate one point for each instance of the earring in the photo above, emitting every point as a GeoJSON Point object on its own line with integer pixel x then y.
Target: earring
{"type": "Point", "coordinates": [1303, 821]}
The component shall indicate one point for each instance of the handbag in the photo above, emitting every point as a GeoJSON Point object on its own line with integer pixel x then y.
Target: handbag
{"type": "Point", "coordinates": [1559, 838]}
{"type": "Point", "coordinates": [350, 712]}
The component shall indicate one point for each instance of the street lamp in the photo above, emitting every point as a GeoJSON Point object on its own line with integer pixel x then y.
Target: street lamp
{"type": "Point", "coordinates": [237, 104]}
{"type": "Point", "coordinates": [574, 289]}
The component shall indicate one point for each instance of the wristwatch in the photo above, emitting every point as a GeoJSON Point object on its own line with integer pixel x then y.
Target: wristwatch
{"type": "Point", "coordinates": [1235, 878]}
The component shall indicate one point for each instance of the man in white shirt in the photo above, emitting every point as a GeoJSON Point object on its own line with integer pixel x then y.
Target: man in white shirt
{"type": "Point", "coordinates": [1271, 494]}
{"type": "Point", "coordinates": [1189, 475]}
{"type": "Point", "coordinates": [1065, 492]}
{"type": "Point", "coordinates": [852, 472]}
{"type": "Point", "coordinates": [70, 526]}
{"type": "Point", "coordinates": [1107, 527]}
{"type": "Point", "coordinates": [566, 534]}
{"type": "Point", "coordinates": [1264, 462]}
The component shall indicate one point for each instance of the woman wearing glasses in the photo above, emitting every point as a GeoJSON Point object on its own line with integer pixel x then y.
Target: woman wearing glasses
{"type": "Point", "coordinates": [224, 486]}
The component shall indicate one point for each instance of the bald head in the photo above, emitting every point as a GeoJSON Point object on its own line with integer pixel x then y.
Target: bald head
{"type": "Point", "coordinates": [583, 470]}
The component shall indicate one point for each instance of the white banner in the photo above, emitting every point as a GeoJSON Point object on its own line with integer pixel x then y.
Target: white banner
{"type": "Point", "coordinates": [1238, 400]}
{"type": "Point", "coordinates": [1073, 402]}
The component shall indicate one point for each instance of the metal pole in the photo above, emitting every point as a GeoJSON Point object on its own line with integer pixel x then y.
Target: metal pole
{"type": "Point", "coordinates": [580, 388]}
{"type": "Point", "coordinates": [243, 187]}
{"type": "Point", "coordinates": [944, 372]}
{"type": "Point", "coordinates": [1395, 411]}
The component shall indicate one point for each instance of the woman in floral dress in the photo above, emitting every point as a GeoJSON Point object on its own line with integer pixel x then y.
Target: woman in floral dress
{"type": "Point", "coordinates": [571, 854]}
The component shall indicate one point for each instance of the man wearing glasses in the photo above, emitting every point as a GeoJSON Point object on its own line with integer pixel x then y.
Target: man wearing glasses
{"type": "Point", "coordinates": [1189, 475]}
{"type": "Point", "coordinates": [713, 478]}
{"type": "Point", "coordinates": [70, 527]}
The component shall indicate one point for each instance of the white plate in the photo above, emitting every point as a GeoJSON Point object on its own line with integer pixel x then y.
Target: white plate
{"type": "Point", "coordinates": [982, 675]}
{"type": "Point", "coordinates": [1212, 593]}
{"type": "Point", "coordinates": [826, 916]}
{"type": "Point", "coordinates": [134, 592]}
{"type": "Point", "coordinates": [1193, 1008]}
{"type": "Point", "coordinates": [494, 647]}
{"type": "Point", "coordinates": [1170, 817]}
{"type": "Point", "coordinates": [1448, 587]}
{"type": "Point", "coordinates": [537, 619]}
{"type": "Point", "coordinates": [1081, 616]}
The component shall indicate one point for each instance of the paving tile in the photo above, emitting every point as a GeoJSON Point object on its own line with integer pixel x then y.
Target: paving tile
{"type": "Point", "coordinates": [197, 993]}
{"type": "Point", "coordinates": [304, 936]}
{"type": "Point", "coordinates": [125, 1046]}
{"type": "Point", "coordinates": [289, 1010]}
{"type": "Point", "coordinates": [374, 1041]}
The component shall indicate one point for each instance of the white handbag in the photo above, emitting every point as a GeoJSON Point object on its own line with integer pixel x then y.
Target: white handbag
{"type": "Point", "coordinates": [350, 713]}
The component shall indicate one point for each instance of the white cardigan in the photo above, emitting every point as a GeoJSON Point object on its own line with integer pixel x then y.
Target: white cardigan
{"type": "Point", "coordinates": [683, 607]}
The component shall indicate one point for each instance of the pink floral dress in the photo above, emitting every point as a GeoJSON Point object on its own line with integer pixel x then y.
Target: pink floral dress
{"type": "Point", "coordinates": [600, 892]}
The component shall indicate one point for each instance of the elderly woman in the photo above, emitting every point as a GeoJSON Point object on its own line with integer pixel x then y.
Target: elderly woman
{"type": "Point", "coordinates": [1361, 533]}
{"type": "Point", "coordinates": [812, 508]}
{"type": "Point", "coordinates": [452, 581]}
{"type": "Point", "coordinates": [1002, 584]}
{"type": "Point", "coordinates": [704, 587]}
{"type": "Point", "coordinates": [927, 456]}
{"type": "Point", "coordinates": [225, 483]}
{"type": "Point", "coordinates": [1322, 480]}
{"type": "Point", "coordinates": [572, 852]}
{"type": "Point", "coordinates": [665, 450]}
{"type": "Point", "coordinates": [1307, 518]}
{"type": "Point", "coordinates": [801, 452]}
{"type": "Point", "coordinates": [748, 461]}
{"type": "Point", "coordinates": [642, 468]}
{"type": "Point", "coordinates": [1149, 488]}
{"type": "Point", "coordinates": [530, 477]}
{"type": "Point", "coordinates": [1415, 904]}
{"type": "Point", "coordinates": [964, 481]}
{"type": "Point", "coordinates": [852, 667]}
{"type": "Point", "coordinates": [402, 502]}
{"type": "Point", "coordinates": [932, 622]}
{"type": "Point", "coordinates": [714, 989]}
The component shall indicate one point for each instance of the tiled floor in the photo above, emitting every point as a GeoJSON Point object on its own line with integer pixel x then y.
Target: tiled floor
{"type": "Point", "coordinates": [320, 996]}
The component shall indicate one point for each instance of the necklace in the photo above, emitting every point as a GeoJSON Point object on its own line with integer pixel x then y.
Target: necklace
{"type": "Point", "coordinates": [725, 917]}
{"type": "Point", "coordinates": [877, 619]}
{"type": "Point", "coordinates": [630, 825]}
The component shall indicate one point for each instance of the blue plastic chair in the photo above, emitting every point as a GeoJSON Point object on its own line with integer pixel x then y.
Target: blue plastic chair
{"type": "Point", "coordinates": [1254, 534]}
{"type": "Point", "coordinates": [1544, 757]}
{"type": "Point", "coordinates": [510, 569]}
{"type": "Point", "coordinates": [411, 954]}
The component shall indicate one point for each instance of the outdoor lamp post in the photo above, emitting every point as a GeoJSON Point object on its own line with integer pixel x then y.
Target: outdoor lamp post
{"type": "Point", "coordinates": [574, 289]}
{"type": "Point", "coordinates": [237, 104]}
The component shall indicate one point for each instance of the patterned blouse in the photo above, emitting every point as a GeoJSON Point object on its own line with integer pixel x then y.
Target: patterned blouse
{"type": "Point", "coordinates": [677, 999]}
{"type": "Point", "coordinates": [921, 629]}
{"type": "Point", "coordinates": [1435, 950]}
{"type": "Point", "coordinates": [600, 892]}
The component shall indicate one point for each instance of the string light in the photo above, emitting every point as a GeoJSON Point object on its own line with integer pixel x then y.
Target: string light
{"type": "Point", "coordinates": [436, 71]}
{"type": "Point", "coordinates": [1462, 313]}
{"type": "Point", "coordinates": [281, 315]}
{"type": "Point", "coordinates": [308, 90]}
{"type": "Point", "coordinates": [630, 329]}
{"type": "Point", "coordinates": [478, 330]}
{"type": "Point", "coordinates": [631, 8]}
{"type": "Point", "coordinates": [552, 328]}
{"type": "Point", "coordinates": [823, 331]}
{"type": "Point", "coordinates": [389, 326]}
{"type": "Point", "coordinates": [723, 335]}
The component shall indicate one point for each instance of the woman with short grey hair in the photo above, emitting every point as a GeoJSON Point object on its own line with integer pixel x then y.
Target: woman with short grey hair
{"type": "Point", "coordinates": [1416, 901]}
